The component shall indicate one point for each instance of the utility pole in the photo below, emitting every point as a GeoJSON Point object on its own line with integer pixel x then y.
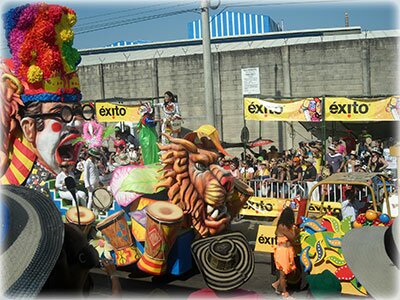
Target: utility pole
{"type": "Point", "coordinates": [207, 62]}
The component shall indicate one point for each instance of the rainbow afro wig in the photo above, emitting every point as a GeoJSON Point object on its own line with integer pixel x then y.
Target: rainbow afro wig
{"type": "Point", "coordinates": [40, 39]}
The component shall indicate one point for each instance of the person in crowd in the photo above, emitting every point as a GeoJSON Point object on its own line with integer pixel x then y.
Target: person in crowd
{"type": "Point", "coordinates": [119, 143]}
{"type": "Point", "coordinates": [273, 153]}
{"type": "Point", "coordinates": [110, 269]}
{"type": "Point", "coordinates": [234, 168]}
{"type": "Point", "coordinates": [357, 165]}
{"type": "Point", "coordinates": [310, 178]}
{"type": "Point", "coordinates": [350, 163]}
{"type": "Point", "coordinates": [280, 189]}
{"type": "Point", "coordinates": [310, 173]}
{"type": "Point", "coordinates": [273, 169]}
{"type": "Point", "coordinates": [296, 171]}
{"type": "Point", "coordinates": [132, 154]}
{"type": "Point", "coordinates": [377, 163]}
{"type": "Point", "coordinates": [351, 206]}
{"type": "Point", "coordinates": [80, 165]}
{"type": "Point", "coordinates": [62, 189]}
{"type": "Point", "coordinates": [334, 159]}
{"type": "Point", "coordinates": [247, 171]}
{"type": "Point", "coordinates": [341, 147]}
{"type": "Point", "coordinates": [91, 175]}
{"type": "Point", "coordinates": [262, 171]}
{"type": "Point", "coordinates": [284, 254]}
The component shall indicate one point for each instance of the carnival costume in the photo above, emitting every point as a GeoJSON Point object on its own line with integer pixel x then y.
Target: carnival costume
{"type": "Point", "coordinates": [148, 135]}
{"type": "Point", "coordinates": [284, 255]}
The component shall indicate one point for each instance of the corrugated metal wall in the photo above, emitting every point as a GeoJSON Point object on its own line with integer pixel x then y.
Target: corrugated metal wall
{"type": "Point", "coordinates": [233, 24]}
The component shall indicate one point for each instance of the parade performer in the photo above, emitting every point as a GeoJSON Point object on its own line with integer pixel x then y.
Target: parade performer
{"type": "Point", "coordinates": [148, 135]}
{"type": "Point", "coordinates": [172, 119]}
{"type": "Point", "coordinates": [284, 252]}
{"type": "Point", "coordinates": [62, 189]}
{"type": "Point", "coordinates": [40, 94]}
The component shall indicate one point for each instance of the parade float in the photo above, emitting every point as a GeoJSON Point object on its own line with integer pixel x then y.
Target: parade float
{"type": "Point", "coordinates": [155, 211]}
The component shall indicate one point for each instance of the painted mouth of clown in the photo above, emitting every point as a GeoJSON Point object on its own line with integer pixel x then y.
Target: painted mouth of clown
{"type": "Point", "coordinates": [66, 151]}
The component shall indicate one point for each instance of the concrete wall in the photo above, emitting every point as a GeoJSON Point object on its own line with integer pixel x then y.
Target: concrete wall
{"type": "Point", "coordinates": [352, 67]}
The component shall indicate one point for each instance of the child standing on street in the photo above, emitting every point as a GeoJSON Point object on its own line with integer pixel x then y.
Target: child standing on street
{"type": "Point", "coordinates": [284, 253]}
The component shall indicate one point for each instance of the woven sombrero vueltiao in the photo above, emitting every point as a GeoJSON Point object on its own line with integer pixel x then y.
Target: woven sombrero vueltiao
{"type": "Point", "coordinates": [226, 261]}
{"type": "Point", "coordinates": [372, 253]}
{"type": "Point", "coordinates": [32, 235]}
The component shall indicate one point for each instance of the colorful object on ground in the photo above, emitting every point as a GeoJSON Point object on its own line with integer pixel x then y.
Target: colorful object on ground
{"type": "Point", "coordinates": [115, 230]}
{"type": "Point", "coordinates": [322, 250]}
{"type": "Point", "coordinates": [163, 223]}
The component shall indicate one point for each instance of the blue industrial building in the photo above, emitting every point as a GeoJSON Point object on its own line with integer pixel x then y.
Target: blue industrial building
{"type": "Point", "coordinates": [233, 24]}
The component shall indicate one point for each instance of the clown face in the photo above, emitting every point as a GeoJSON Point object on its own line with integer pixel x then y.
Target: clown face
{"type": "Point", "coordinates": [53, 139]}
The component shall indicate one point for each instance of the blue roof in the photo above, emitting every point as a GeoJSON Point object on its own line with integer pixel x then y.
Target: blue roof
{"type": "Point", "coordinates": [230, 23]}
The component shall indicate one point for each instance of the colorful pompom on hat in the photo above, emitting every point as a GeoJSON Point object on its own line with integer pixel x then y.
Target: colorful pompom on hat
{"type": "Point", "coordinates": [40, 39]}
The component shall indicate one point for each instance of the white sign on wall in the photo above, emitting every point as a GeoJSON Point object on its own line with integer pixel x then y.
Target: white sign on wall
{"type": "Point", "coordinates": [251, 81]}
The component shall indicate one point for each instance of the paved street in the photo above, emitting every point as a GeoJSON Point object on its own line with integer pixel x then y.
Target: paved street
{"type": "Point", "coordinates": [137, 284]}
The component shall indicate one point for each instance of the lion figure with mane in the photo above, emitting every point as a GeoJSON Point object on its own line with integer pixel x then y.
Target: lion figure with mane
{"type": "Point", "coordinates": [208, 195]}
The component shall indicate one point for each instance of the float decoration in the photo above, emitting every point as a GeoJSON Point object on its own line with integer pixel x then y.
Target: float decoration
{"type": "Point", "coordinates": [322, 250]}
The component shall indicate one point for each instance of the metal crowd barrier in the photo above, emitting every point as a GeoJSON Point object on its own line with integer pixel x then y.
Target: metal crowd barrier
{"type": "Point", "coordinates": [333, 192]}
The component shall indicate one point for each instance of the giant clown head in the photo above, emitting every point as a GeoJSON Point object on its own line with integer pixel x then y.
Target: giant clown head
{"type": "Point", "coordinates": [40, 39]}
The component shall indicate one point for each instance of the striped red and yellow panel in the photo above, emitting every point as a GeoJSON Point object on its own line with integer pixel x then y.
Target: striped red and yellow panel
{"type": "Point", "coordinates": [22, 160]}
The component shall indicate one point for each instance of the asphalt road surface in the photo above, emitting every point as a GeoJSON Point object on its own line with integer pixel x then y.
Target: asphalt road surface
{"type": "Point", "coordinates": [136, 284]}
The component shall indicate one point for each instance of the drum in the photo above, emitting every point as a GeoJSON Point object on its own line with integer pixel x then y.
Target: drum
{"type": "Point", "coordinates": [86, 217]}
{"type": "Point", "coordinates": [116, 231]}
{"type": "Point", "coordinates": [163, 224]}
{"type": "Point", "coordinates": [102, 199]}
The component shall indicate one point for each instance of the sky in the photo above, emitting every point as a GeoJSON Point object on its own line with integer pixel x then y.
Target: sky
{"type": "Point", "coordinates": [167, 20]}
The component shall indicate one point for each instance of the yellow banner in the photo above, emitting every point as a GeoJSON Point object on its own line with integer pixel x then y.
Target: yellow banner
{"type": "Point", "coordinates": [347, 110]}
{"type": "Point", "coordinates": [271, 207]}
{"type": "Point", "coordinates": [266, 239]}
{"type": "Point", "coordinates": [308, 109]}
{"type": "Point", "coordinates": [111, 112]}
{"type": "Point", "coordinates": [262, 207]}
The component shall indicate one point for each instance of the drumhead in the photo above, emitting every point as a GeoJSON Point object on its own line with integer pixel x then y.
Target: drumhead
{"type": "Point", "coordinates": [107, 221]}
{"type": "Point", "coordinates": [102, 199]}
{"type": "Point", "coordinates": [164, 211]}
{"type": "Point", "coordinates": [86, 215]}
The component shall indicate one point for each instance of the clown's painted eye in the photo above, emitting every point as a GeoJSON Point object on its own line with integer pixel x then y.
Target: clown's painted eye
{"type": "Point", "coordinates": [200, 167]}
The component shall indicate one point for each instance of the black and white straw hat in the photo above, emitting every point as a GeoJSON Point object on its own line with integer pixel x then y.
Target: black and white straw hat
{"type": "Point", "coordinates": [226, 261]}
{"type": "Point", "coordinates": [32, 235]}
{"type": "Point", "coordinates": [372, 253]}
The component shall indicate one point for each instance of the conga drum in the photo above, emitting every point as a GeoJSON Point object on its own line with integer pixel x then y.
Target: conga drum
{"type": "Point", "coordinates": [102, 199]}
{"type": "Point", "coordinates": [163, 224]}
{"type": "Point", "coordinates": [116, 231]}
{"type": "Point", "coordinates": [86, 218]}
